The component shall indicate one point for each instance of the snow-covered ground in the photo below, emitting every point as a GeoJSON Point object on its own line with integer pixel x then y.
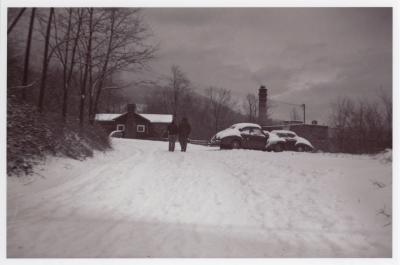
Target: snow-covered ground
{"type": "Point", "coordinates": [140, 200]}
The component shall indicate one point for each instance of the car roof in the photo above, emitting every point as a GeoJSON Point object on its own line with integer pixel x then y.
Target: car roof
{"type": "Point", "coordinates": [245, 124]}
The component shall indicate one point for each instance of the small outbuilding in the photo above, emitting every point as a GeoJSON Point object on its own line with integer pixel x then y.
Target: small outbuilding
{"type": "Point", "coordinates": [135, 125]}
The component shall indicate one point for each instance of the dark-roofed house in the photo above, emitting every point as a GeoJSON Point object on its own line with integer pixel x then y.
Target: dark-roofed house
{"type": "Point", "coordinates": [135, 125]}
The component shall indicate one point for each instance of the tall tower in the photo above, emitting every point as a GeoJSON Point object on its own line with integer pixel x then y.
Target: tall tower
{"type": "Point", "coordinates": [262, 105]}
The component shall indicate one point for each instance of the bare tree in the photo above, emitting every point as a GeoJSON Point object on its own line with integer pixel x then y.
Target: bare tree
{"type": "Point", "coordinates": [340, 119]}
{"type": "Point", "coordinates": [174, 92]}
{"type": "Point", "coordinates": [251, 107]}
{"type": "Point", "coordinates": [90, 45]}
{"type": "Point", "coordinates": [46, 60]}
{"type": "Point", "coordinates": [294, 115]}
{"type": "Point", "coordinates": [69, 71]}
{"type": "Point", "coordinates": [15, 21]}
{"type": "Point", "coordinates": [86, 67]}
{"type": "Point", "coordinates": [27, 54]}
{"type": "Point", "coordinates": [387, 102]}
{"type": "Point", "coordinates": [359, 126]}
{"type": "Point", "coordinates": [123, 48]}
{"type": "Point", "coordinates": [219, 99]}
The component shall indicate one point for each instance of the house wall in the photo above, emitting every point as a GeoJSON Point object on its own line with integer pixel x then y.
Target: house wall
{"type": "Point", "coordinates": [144, 134]}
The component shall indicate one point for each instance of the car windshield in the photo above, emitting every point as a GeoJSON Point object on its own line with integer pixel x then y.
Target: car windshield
{"type": "Point", "coordinates": [257, 132]}
{"type": "Point", "coordinates": [252, 131]}
{"type": "Point", "coordinates": [246, 130]}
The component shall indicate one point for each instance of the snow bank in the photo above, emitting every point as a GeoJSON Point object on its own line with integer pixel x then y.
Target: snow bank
{"type": "Point", "coordinates": [385, 156]}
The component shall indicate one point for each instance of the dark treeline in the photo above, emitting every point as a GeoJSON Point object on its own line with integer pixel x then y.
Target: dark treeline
{"type": "Point", "coordinates": [362, 126]}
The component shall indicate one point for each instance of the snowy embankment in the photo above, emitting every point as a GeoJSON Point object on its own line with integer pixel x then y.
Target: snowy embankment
{"type": "Point", "coordinates": [142, 201]}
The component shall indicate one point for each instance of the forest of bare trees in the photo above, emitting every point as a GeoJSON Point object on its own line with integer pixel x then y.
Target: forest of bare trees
{"type": "Point", "coordinates": [70, 55]}
{"type": "Point", "coordinates": [62, 69]}
{"type": "Point", "coordinates": [362, 126]}
{"type": "Point", "coordinates": [208, 111]}
{"type": "Point", "coordinates": [71, 58]}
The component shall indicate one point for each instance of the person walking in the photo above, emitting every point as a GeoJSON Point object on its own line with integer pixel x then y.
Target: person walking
{"type": "Point", "coordinates": [184, 131]}
{"type": "Point", "coordinates": [172, 133]}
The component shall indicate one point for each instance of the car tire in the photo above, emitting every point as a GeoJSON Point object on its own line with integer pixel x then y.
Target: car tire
{"type": "Point", "coordinates": [278, 148]}
{"type": "Point", "coordinates": [235, 144]}
{"type": "Point", "coordinates": [300, 148]}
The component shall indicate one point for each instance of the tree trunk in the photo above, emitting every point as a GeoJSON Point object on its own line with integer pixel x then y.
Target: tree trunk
{"type": "Point", "coordinates": [71, 68]}
{"type": "Point", "coordinates": [85, 73]}
{"type": "Point", "coordinates": [104, 69]}
{"type": "Point", "coordinates": [90, 91]}
{"type": "Point", "coordinates": [65, 70]}
{"type": "Point", "coordinates": [45, 62]}
{"type": "Point", "coordinates": [27, 54]}
{"type": "Point", "coordinates": [15, 21]}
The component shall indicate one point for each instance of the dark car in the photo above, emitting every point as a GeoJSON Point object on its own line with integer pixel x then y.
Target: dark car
{"type": "Point", "coordinates": [247, 136]}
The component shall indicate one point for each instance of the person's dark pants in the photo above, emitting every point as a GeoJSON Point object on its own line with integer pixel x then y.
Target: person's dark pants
{"type": "Point", "coordinates": [171, 140]}
{"type": "Point", "coordinates": [183, 142]}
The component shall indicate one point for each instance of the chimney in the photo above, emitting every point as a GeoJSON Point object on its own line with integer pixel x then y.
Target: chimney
{"type": "Point", "coordinates": [131, 107]}
{"type": "Point", "coordinates": [130, 124]}
{"type": "Point", "coordinates": [262, 105]}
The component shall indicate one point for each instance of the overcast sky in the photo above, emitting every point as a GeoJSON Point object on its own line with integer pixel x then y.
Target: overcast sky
{"type": "Point", "coordinates": [302, 55]}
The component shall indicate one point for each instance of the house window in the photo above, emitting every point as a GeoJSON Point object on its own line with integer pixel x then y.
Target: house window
{"type": "Point", "coordinates": [140, 128]}
{"type": "Point", "coordinates": [120, 127]}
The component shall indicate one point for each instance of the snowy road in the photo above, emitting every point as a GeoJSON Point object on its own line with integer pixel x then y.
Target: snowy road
{"type": "Point", "coordinates": [139, 200]}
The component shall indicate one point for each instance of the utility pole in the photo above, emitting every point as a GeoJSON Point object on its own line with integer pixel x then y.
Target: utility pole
{"type": "Point", "coordinates": [304, 112]}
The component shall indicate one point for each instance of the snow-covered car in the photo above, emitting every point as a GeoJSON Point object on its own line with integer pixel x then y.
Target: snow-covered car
{"type": "Point", "coordinates": [117, 134]}
{"type": "Point", "coordinates": [293, 141]}
{"type": "Point", "coordinates": [247, 136]}
{"type": "Point", "coordinates": [274, 142]}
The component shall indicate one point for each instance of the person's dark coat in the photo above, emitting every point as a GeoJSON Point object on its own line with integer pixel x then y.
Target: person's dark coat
{"type": "Point", "coordinates": [184, 129]}
{"type": "Point", "coordinates": [172, 129]}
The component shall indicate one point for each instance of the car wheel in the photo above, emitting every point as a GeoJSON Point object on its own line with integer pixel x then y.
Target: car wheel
{"type": "Point", "coordinates": [278, 148]}
{"type": "Point", "coordinates": [300, 148]}
{"type": "Point", "coordinates": [235, 144]}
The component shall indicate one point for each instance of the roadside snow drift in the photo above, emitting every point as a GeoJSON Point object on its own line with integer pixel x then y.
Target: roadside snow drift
{"type": "Point", "coordinates": [140, 200]}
